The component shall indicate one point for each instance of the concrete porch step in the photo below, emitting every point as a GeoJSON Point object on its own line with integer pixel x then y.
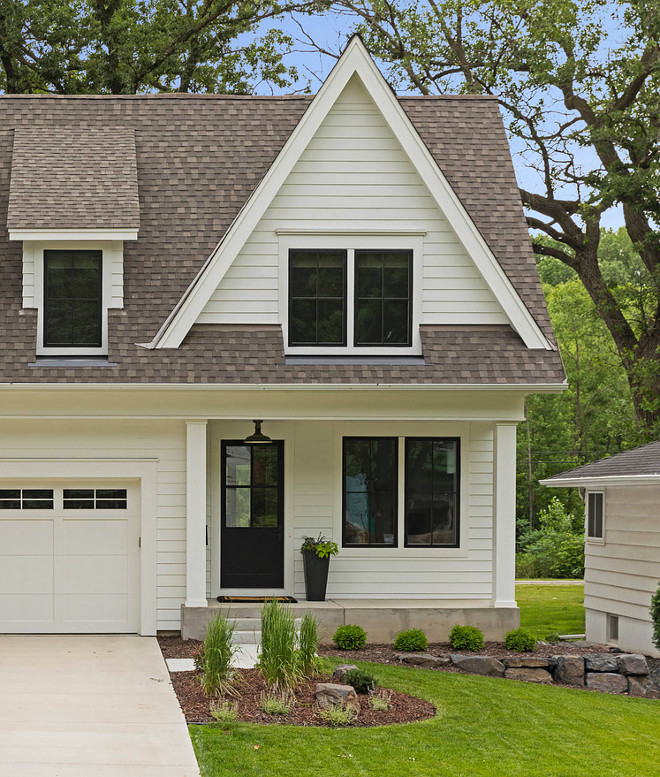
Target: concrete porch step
{"type": "Point", "coordinates": [247, 638]}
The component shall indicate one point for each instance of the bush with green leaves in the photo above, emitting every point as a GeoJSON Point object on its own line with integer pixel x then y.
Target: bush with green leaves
{"type": "Point", "coordinates": [411, 640]}
{"type": "Point", "coordinates": [655, 618]}
{"type": "Point", "coordinates": [466, 638]}
{"type": "Point", "coordinates": [520, 640]}
{"type": "Point", "coordinates": [338, 715]}
{"type": "Point", "coordinates": [380, 700]}
{"type": "Point", "coordinates": [361, 681]}
{"type": "Point", "coordinates": [308, 643]}
{"type": "Point", "coordinates": [350, 637]}
{"type": "Point", "coordinates": [276, 703]}
{"type": "Point", "coordinates": [224, 712]}
{"type": "Point", "coordinates": [216, 654]}
{"type": "Point", "coordinates": [278, 660]}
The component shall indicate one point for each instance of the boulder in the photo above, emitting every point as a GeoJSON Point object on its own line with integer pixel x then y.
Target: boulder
{"type": "Point", "coordinates": [526, 663]}
{"type": "Point", "coordinates": [529, 674]}
{"type": "Point", "coordinates": [422, 659]}
{"type": "Point", "coordinates": [601, 662]}
{"type": "Point", "coordinates": [569, 669]}
{"type": "Point", "coordinates": [341, 669]}
{"type": "Point", "coordinates": [642, 686]}
{"type": "Point", "coordinates": [607, 682]}
{"type": "Point", "coordinates": [633, 664]}
{"type": "Point", "coordinates": [478, 665]}
{"type": "Point", "coordinates": [331, 695]}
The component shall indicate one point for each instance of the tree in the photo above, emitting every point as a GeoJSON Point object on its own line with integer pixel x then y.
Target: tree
{"type": "Point", "coordinates": [579, 84]}
{"type": "Point", "coordinates": [131, 46]}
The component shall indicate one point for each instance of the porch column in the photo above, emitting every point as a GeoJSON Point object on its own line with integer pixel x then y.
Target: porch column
{"type": "Point", "coordinates": [504, 515]}
{"type": "Point", "coordinates": [196, 514]}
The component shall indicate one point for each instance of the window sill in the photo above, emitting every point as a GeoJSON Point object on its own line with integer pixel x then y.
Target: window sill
{"type": "Point", "coordinates": [71, 361]}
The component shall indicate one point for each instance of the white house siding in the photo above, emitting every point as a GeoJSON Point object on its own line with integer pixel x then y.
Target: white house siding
{"type": "Point", "coordinates": [355, 175]}
{"type": "Point", "coordinates": [123, 440]}
{"type": "Point", "coordinates": [622, 573]}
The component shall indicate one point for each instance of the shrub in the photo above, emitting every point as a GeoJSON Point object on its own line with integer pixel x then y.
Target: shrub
{"type": "Point", "coordinates": [278, 661]}
{"type": "Point", "coordinates": [276, 704]}
{"type": "Point", "coordinates": [466, 638]}
{"type": "Point", "coordinates": [556, 550]}
{"type": "Point", "coordinates": [338, 716]}
{"type": "Point", "coordinates": [411, 640]}
{"type": "Point", "coordinates": [350, 637]}
{"type": "Point", "coordinates": [308, 643]}
{"type": "Point", "coordinates": [215, 655]}
{"type": "Point", "coordinates": [655, 618]}
{"type": "Point", "coordinates": [552, 636]}
{"type": "Point", "coordinates": [362, 681]}
{"type": "Point", "coordinates": [520, 640]}
{"type": "Point", "coordinates": [380, 700]}
{"type": "Point", "coordinates": [224, 712]}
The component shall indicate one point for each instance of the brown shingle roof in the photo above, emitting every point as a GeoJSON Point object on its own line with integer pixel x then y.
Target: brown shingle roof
{"type": "Point", "coordinates": [644, 460]}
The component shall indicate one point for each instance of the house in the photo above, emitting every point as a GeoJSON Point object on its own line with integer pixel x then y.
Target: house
{"type": "Point", "coordinates": [622, 546]}
{"type": "Point", "coordinates": [353, 270]}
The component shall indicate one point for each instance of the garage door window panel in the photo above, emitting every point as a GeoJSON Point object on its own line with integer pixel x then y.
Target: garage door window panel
{"type": "Point", "coordinates": [26, 499]}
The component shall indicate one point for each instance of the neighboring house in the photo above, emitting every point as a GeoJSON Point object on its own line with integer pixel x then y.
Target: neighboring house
{"type": "Point", "coordinates": [353, 269]}
{"type": "Point", "coordinates": [622, 548]}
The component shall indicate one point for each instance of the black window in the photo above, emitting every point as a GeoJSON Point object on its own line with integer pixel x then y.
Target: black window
{"type": "Point", "coordinates": [26, 499]}
{"type": "Point", "coordinates": [369, 476]}
{"type": "Point", "coordinates": [72, 298]}
{"type": "Point", "coordinates": [253, 476]}
{"type": "Point", "coordinates": [91, 499]}
{"type": "Point", "coordinates": [432, 492]}
{"type": "Point", "coordinates": [317, 298]}
{"type": "Point", "coordinates": [383, 282]}
{"type": "Point", "coordinates": [595, 516]}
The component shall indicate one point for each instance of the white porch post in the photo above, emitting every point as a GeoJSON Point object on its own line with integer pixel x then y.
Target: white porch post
{"type": "Point", "coordinates": [504, 515]}
{"type": "Point", "coordinates": [196, 514]}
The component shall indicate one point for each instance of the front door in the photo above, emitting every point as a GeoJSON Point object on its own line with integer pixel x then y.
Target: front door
{"type": "Point", "coordinates": [252, 535]}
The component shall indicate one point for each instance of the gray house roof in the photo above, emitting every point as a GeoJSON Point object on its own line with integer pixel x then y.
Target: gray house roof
{"type": "Point", "coordinates": [641, 461]}
{"type": "Point", "coordinates": [197, 159]}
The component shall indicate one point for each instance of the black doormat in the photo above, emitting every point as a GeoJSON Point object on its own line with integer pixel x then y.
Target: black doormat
{"type": "Point", "coordinates": [256, 599]}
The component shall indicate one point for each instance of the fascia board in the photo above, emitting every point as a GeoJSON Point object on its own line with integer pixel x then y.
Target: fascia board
{"type": "Point", "coordinates": [601, 482]}
{"type": "Point", "coordinates": [73, 234]}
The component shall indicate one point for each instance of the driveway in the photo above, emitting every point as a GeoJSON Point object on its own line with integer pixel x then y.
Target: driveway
{"type": "Point", "coordinates": [89, 706]}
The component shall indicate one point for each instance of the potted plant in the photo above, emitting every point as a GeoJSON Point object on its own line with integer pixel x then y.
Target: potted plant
{"type": "Point", "coordinates": [316, 560]}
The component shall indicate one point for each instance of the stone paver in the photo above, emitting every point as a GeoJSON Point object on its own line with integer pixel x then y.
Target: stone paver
{"type": "Point", "coordinates": [99, 706]}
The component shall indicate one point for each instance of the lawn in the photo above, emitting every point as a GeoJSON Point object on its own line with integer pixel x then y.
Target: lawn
{"type": "Point", "coordinates": [484, 728]}
{"type": "Point", "coordinates": [548, 609]}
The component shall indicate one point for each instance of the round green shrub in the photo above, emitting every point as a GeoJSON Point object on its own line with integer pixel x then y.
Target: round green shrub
{"type": "Point", "coordinates": [411, 640]}
{"type": "Point", "coordinates": [655, 618]}
{"type": "Point", "coordinates": [350, 637]}
{"type": "Point", "coordinates": [466, 638]}
{"type": "Point", "coordinates": [520, 640]}
{"type": "Point", "coordinates": [362, 681]}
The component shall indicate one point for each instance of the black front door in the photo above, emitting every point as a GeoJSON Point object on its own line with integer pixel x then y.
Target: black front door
{"type": "Point", "coordinates": [252, 541]}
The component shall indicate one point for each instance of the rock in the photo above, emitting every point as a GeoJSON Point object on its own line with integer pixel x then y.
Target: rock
{"type": "Point", "coordinates": [601, 662]}
{"type": "Point", "coordinates": [478, 665]}
{"type": "Point", "coordinates": [331, 695]}
{"type": "Point", "coordinates": [526, 663]}
{"type": "Point", "coordinates": [607, 682]}
{"type": "Point", "coordinates": [642, 686]}
{"type": "Point", "coordinates": [341, 669]}
{"type": "Point", "coordinates": [569, 669]}
{"type": "Point", "coordinates": [422, 659]}
{"type": "Point", "coordinates": [529, 674]}
{"type": "Point", "coordinates": [633, 663]}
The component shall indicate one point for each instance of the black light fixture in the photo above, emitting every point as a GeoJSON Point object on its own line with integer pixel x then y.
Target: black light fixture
{"type": "Point", "coordinates": [257, 438]}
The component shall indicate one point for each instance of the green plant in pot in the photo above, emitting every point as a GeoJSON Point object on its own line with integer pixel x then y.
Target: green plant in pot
{"type": "Point", "coordinates": [316, 560]}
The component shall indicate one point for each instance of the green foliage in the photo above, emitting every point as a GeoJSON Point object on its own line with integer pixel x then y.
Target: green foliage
{"type": "Point", "coordinates": [321, 546]}
{"type": "Point", "coordinates": [224, 712]}
{"type": "Point", "coordinates": [411, 640]}
{"type": "Point", "coordinates": [350, 637]}
{"type": "Point", "coordinates": [278, 660]}
{"type": "Point", "coordinates": [520, 640]}
{"type": "Point", "coordinates": [276, 703]}
{"type": "Point", "coordinates": [380, 700]}
{"type": "Point", "coordinates": [338, 716]}
{"type": "Point", "coordinates": [655, 617]}
{"type": "Point", "coordinates": [215, 656]}
{"type": "Point", "coordinates": [362, 681]}
{"type": "Point", "coordinates": [466, 638]}
{"type": "Point", "coordinates": [308, 643]}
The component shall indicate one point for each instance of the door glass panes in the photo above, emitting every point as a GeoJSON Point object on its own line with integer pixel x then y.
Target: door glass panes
{"type": "Point", "coordinates": [432, 489]}
{"type": "Point", "coordinates": [370, 493]}
{"type": "Point", "coordinates": [317, 297]}
{"type": "Point", "coordinates": [26, 499]}
{"type": "Point", "coordinates": [72, 298]}
{"type": "Point", "coordinates": [382, 297]}
{"type": "Point", "coordinates": [252, 475]}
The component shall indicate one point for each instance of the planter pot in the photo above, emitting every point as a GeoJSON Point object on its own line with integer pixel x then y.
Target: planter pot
{"type": "Point", "coordinates": [316, 576]}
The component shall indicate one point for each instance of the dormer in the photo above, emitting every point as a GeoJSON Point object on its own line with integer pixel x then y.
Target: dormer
{"type": "Point", "coordinates": [73, 201]}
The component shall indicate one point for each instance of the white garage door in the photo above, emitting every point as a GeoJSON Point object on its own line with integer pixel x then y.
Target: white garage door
{"type": "Point", "coordinates": [68, 557]}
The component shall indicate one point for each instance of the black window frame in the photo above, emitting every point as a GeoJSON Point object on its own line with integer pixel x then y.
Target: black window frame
{"type": "Point", "coordinates": [410, 254]}
{"type": "Point", "coordinates": [47, 254]}
{"type": "Point", "coordinates": [407, 442]}
{"type": "Point", "coordinates": [94, 499]}
{"type": "Point", "coordinates": [290, 300]}
{"type": "Point", "coordinates": [27, 499]}
{"type": "Point", "coordinates": [592, 519]}
{"type": "Point", "coordinates": [395, 496]}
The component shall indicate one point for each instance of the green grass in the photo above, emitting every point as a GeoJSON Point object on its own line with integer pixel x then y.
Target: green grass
{"type": "Point", "coordinates": [547, 609]}
{"type": "Point", "coordinates": [484, 727]}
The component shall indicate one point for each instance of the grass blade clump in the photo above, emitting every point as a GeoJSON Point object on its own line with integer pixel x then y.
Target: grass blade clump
{"type": "Point", "coordinates": [278, 661]}
{"type": "Point", "coordinates": [216, 655]}
{"type": "Point", "coordinates": [308, 643]}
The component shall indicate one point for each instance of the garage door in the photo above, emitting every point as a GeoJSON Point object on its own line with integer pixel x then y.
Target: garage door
{"type": "Point", "coordinates": [68, 557]}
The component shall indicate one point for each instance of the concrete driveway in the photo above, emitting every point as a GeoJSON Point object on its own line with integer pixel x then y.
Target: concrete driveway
{"type": "Point", "coordinates": [89, 706]}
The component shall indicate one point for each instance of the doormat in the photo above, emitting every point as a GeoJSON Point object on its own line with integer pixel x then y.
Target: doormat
{"type": "Point", "coordinates": [256, 599]}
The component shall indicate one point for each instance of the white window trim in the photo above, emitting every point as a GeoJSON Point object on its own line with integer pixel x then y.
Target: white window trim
{"type": "Point", "coordinates": [112, 256]}
{"type": "Point", "coordinates": [590, 538]}
{"type": "Point", "coordinates": [351, 243]}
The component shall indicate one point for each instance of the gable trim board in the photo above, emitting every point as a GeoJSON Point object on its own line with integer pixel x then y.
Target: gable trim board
{"type": "Point", "coordinates": [354, 61]}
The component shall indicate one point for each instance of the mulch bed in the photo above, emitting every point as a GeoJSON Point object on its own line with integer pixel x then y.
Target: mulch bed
{"type": "Point", "coordinates": [251, 685]}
